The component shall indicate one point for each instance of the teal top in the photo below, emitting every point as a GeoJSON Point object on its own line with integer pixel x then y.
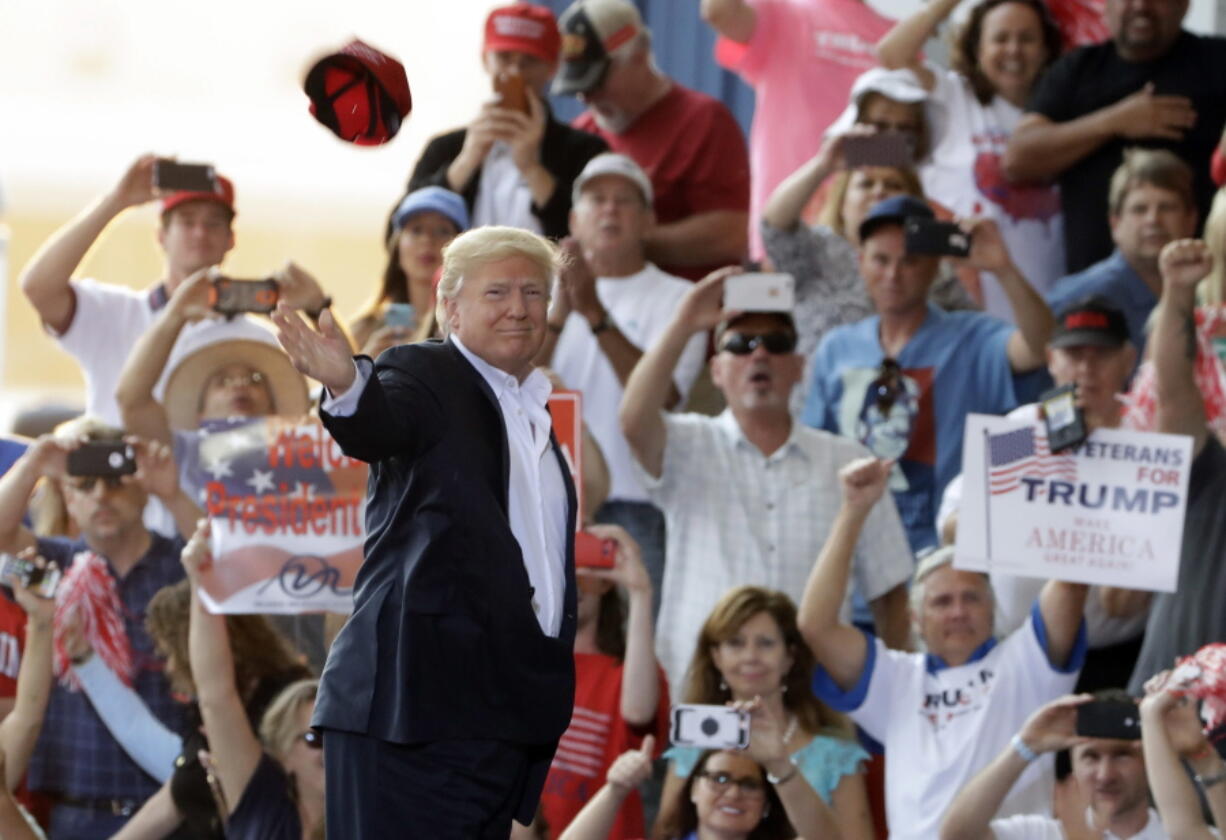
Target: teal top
{"type": "Point", "coordinates": [823, 762]}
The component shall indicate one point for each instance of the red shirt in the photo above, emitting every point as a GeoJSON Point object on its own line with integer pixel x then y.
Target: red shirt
{"type": "Point", "coordinates": [693, 151]}
{"type": "Point", "coordinates": [12, 643]}
{"type": "Point", "coordinates": [595, 738]}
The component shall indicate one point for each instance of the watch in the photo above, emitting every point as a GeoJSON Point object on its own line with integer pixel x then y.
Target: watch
{"type": "Point", "coordinates": [778, 780]}
{"type": "Point", "coordinates": [603, 324]}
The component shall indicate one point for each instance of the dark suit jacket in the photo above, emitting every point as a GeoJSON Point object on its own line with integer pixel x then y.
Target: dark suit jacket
{"type": "Point", "coordinates": [443, 642]}
{"type": "Point", "coordinates": [564, 152]}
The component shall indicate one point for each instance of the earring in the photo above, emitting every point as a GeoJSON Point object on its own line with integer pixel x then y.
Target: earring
{"type": "Point", "coordinates": [766, 810]}
{"type": "Point", "coordinates": [723, 686]}
{"type": "Point", "coordinates": [785, 689]}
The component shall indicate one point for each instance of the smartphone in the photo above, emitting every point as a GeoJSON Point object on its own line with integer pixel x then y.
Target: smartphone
{"type": "Point", "coordinates": [1066, 424]}
{"type": "Point", "coordinates": [230, 297]}
{"type": "Point", "coordinates": [399, 315]}
{"type": "Point", "coordinates": [760, 292]}
{"type": "Point", "coordinates": [511, 92]}
{"type": "Point", "coordinates": [102, 458]}
{"type": "Point", "coordinates": [190, 177]}
{"type": "Point", "coordinates": [885, 149]}
{"type": "Point", "coordinates": [1109, 719]}
{"type": "Point", "coordinates": [591, 552]}
{"type": "Point", "coordinates": [931, 236]}
{"type": "Point", "coordinates": [709, 727]}
{"type": "Point", "coordinates": [41, 580]}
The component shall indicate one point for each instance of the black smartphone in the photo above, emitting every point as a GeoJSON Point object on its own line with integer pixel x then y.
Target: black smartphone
{"type": "Point", "coordinates": [1066, 424]}
{"type": "Point", "coordinates": [932, 236]}
{"type": "Point", "coordinates": [41, 580]}
{"type": "Point", "coordinates": [885, 149]}
{"type": "Point", "coordinates": [229, 296]}
{"type": "Point", "coordinates": [188, 177]}
{"type": "Point", "coordinates": [1109, 719]}
{"type": "Point", "coordinates": [102, 458]}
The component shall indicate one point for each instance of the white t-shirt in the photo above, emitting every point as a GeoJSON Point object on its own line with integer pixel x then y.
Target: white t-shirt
{"type": "Point", "coordinates": [503, 196]}
{"type": "Point", "coordinates": [1014, 594]}
{"type": "Point", "coordinates": [641, 305]}
{"type": "Point", "coordinates": [940, 725]}
{"type": "Point", "coordinates": [1034, 827]}
{"type": "Point", "coordinates": [965, 174]}
{"type": "Point", "coordinates": [108, 322]}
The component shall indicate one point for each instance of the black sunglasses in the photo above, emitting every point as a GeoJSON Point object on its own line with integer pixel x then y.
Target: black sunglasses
{"type": "Point", "coordinates": [85, 483]}
{"type": "Point", "coordinates": [776, 343]}
{"type": "Point", "coordinates": [313, 739]}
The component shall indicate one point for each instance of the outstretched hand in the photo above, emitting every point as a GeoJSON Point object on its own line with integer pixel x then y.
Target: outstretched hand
{"type": "Point", "coordinates": [864, 481]}
{"type": "Point", "coordinates": [323, 354]}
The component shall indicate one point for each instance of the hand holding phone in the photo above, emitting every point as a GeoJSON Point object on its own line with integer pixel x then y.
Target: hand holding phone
{"type": "Point", "coordinates": [760, 292]}
{"type": "Point", "coordinates": [228, 296]}
{"type": "Point", "coordinates": [1109, 719]}
{"type": "Point", "coordinates": [42, 580]}
{"type": "Point", "coordinates": [592, 552]}
{"type": "Point", "coordinates": [102, 458]}
{"type": "Point", "coordinates": [882, 149]}
{"type": "Point", "coordinates": [709, 727]}
{"type": "Point", "coordinates": [1064, 419]}
{"type": "Point", "coordinates": [399, 315]}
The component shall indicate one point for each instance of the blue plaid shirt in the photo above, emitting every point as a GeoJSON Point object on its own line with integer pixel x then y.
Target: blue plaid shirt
{"type": "Point", "coordinates": [76, 755]}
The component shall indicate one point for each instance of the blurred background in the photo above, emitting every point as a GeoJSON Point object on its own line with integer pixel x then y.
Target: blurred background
{"type": "Point", "coordinates": [88, 86]}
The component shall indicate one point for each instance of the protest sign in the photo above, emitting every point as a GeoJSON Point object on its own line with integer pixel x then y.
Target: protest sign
{"type": "Point", "coordinates": [1108, 512]}
{"type": "Point", "coordinates": [287, 510]}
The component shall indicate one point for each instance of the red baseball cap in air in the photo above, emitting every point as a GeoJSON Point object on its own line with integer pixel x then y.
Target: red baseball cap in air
{"type": "Point", "coordinates": [360, 93]}
{"type": "Point", "coordinates": [523, 27]}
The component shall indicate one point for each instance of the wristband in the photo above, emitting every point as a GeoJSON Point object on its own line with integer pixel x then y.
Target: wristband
{"type": "Point", "coordinates": [1019, 746]}
{"type": "Point", "coordinates": [1207, 782]}
{"type": "Point", "coordinates": [786, 777]}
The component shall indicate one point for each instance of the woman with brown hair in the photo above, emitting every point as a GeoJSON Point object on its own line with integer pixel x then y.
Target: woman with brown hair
{"type": "Point", "coordinates": [263, 664]}
{"type": "Point", "coordinates": [750, 650]}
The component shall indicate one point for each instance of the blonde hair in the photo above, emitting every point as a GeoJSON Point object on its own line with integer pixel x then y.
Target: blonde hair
{"type": "Point", "coordinates": [278, 728]}
{"type": "Point", "coordinates": [1212, 290]}
{"type": "Point", "coordinates": [831, 214]}
{"type": "Point", "coordinates": [480, 246]}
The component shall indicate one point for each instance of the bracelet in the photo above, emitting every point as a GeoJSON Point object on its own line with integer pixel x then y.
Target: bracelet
{"type": "Point", "coordinates": [1019, 746]}
{"type": "Point", "coordinates": [1207, 782]}
{"type": "Point", "coordinates": [779, 780]}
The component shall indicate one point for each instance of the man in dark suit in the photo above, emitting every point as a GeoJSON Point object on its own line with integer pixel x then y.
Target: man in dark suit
{"type": "Point", "coordinates": [514, 163]}
{"type": "Point", "coordinates": [445, 694]}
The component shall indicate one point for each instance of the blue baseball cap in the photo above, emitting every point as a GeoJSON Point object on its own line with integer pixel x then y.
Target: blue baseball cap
{"type": "Point", "coordinates": [437, 199]}
{"type": "Point", "coordinates": [893, 210]}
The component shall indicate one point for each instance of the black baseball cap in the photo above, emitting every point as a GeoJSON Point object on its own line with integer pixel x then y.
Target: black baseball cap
{"type": "Point", "coordinates": [1092, 321]}
{"type": "Point", "coordinates": [893, 210]}
{"type": "Point", "coordinates": [591, 29]}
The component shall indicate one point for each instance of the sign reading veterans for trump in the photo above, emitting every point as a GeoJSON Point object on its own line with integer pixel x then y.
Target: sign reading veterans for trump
{"type": "Point", "coordinates": [287, 510]}
{"type": "Point", "coordinates": [1108, 512]}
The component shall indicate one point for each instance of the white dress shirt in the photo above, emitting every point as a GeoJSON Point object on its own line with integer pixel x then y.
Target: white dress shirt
{"type": "Point", "coordinates": [1033, 827]}
{"type": "Point", "coordinates": [503, 196]}
{"type": "Point", "coordinates": [536, 497]}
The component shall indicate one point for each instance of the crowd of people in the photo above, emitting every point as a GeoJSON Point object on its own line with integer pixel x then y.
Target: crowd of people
{"type": "Point", "coordinates": [781, 489]}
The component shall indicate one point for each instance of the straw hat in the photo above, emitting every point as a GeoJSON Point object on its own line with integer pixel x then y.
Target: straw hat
{"type": "Point", "coordinates": [185, 384]}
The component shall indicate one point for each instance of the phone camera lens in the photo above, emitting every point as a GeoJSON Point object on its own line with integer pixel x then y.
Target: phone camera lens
{"type": "Point", "coordinates": [709, 726]}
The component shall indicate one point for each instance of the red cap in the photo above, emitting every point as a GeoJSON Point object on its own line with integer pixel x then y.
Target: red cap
{"type": "Point", "coordinates": [225, 196]}
{"type": "Point", "coordinates": [360, 93]}
{"type": "Point", "coordinates": [526, 28]}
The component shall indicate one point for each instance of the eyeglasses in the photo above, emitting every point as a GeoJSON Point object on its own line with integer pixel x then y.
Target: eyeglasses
{"type": "Point", "coordinates": [313, 739]}
{"type": "Point", "coordinates": [721, 781]}
{"type": "Point", "coordinates": [85, 483]}
{"type": "Point", "coordinates": [776, 343]}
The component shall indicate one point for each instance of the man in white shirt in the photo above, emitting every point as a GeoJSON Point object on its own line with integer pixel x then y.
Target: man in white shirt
{"type": "Point", "coordinates": [98, 323]}
{"type": "Point", "coordinates": [747, 496]}
{"type": "Point", "coordinates": [445, 694]}
{"type": "Point", "coordinates": [611, 304]}
{"type": "Point", "coordinates": [944, 714]}
{"type": "Point", "coordinates": [1110, 773]}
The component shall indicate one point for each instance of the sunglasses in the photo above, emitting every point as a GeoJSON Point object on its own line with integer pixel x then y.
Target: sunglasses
{"type": "Point", "coordinates": [313, 739]}
{"type": "Point", "coordinates": [85, 483]}
{"type": "Point", "coordinates": [776, 343]}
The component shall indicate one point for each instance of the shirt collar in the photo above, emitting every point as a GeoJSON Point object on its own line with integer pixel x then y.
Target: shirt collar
{"type": "Point", "coordinates": [1152, 830]}
{"type": "Point", "coordinates": [934, 663]}
{"type": "Point", "coordinates": [536, 386]}
{"type": "Point", "coordinates": [727, 423]}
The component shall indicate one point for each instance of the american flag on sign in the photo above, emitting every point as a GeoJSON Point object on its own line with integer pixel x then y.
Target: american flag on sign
{"type": "Point", "coordinates": [1022, 453]}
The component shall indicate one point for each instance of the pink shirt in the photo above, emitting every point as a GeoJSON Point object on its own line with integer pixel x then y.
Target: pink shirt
{"type": "Point", "coordinates": [801, 62]}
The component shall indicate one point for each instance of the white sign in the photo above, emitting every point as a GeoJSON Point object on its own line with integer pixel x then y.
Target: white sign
{"type": "Point", "coordinates": [1109, 512]}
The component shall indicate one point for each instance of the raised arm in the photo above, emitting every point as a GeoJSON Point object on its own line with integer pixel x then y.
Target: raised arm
{"type": "Point", "coordinates": [640, 692]}
{"type": "Point", "coordinates": [234, 746]}
{"type": "Point", "coordinates": [1062, 605]}
{"type": "Point", "coordinates": [1050, 728]}
{"type": "Point", "coordinates": [158, 475]}
{"type": "Point", "coordinates": [651, 383]}
{"type": "Point", "coordinates": [628, 771]}
{"type": "Point", "coordinates": [902, 45]}
{"type": "Point", "coordinates": [140, 410]}
{"type": "Point", "coordinates": [734, 19]}
{"type": "Point", "coordinates": [45, 277]}
{"type": "Point", "coordinates": [1181, 409]}
{"type": "Point", "coordinates": [840, 648]}
{"type": "Point", "coordinates": [20, 729]}
{"type": "Point", "coordinates": [47, 456]}
{"type": "Point", "coordinates": [1041, 149]}
{"type": "Point", "coordinates": [785, 205]}
{"type": "Point", "coordinates": [1027, 346]}
{"type": "Point", "coordinates": [1170, 730]}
